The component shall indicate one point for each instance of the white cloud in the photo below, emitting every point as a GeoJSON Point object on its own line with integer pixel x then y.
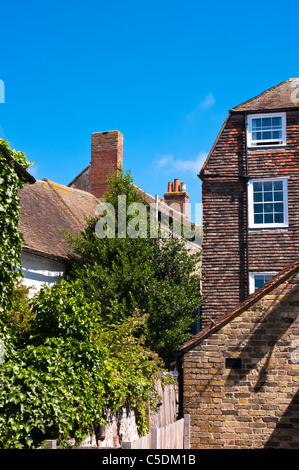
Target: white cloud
{"type": "Point", "coordinates": [170, 163]}
{"type": "Point", "coordinates": [207, 103]}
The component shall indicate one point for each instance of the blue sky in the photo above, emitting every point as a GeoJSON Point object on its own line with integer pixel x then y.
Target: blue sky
{"type": "Point", "coordinates": [164, 73]}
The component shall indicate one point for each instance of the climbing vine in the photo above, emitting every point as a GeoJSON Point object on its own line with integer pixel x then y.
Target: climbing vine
{"type": "Point", "coordinates": [11, 237]}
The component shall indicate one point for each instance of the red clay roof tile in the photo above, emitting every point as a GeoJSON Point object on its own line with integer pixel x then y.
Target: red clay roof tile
{"type": "Point", "coordinates": [46, 209]}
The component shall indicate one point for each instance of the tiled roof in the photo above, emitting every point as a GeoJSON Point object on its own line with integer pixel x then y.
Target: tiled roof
{"type": "Point", "coordinates": [46, 209]}
{"type": "Point", "coordinates": [263, 290]}
{"type": "Point", "coordinates": [281, 96]}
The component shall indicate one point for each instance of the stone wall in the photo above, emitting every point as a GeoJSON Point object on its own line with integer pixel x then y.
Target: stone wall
{"type": "Point", "coordinates": [241, 382]}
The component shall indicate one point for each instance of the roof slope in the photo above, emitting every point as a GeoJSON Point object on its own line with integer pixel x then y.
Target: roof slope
{"type": "Point", "coordinates": [263, 290]}
{"type": "Point", "coordinates": [280, 96]}
{"type": "Point", "coordinates": [46, 209]}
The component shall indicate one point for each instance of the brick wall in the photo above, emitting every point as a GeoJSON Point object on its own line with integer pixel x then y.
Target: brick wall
{"type": "Point", "coordinates": [224, 240]}
{"type": "Point", "coordinates": [256, 406]}
{"type": "Point", "coordinates": [106, 159]}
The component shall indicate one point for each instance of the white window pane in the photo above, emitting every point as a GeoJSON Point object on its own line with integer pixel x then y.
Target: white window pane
{"type": "Point", "coordinates": [266, 135]}
{"type": "Point", "coordinates": [278, 207]}
{"type": "Point", "coordinates": [257, 135]}
{"type": "Point", "coordinates": [278, 185]}
{"type": "Point", "coordinates": [258, 197]}
{"type": "Point", "coordinates": [258, 218]}
{"type": "Point", "coordinates": [268, 196]}
{"type": "Point", "coordinates": [258, 208]}
{"type": "Point", "coordinates": [276, 123]}
{"type": "Point", "coordinates": [266, 123]}
{"type": "Point", "coordinates": [256, 124]}
{"type": "Point", "coordinates": [278, 196]}
{"type": "Point", "coordinates": [259, 281]}
{"type": "Point", "coordinates": [258, 186]}
{"type": "Point", "coordinates": [268, 218]}
{"type": "Point", "coordinates": [279, 218]}
{"type": "Point", "coordinates": [277, 135]}
{"type": "Point", "coordinates": [267, 185]}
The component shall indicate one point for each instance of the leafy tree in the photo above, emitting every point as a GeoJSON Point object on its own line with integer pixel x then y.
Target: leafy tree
{"type": "Point", "coordinates": [156, 276]}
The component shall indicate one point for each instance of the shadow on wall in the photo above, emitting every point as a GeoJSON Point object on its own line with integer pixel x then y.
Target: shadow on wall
{"type": "Point", "coordinates": [286, 431]}
{"type": "Point", "coordinates": [276, 321]}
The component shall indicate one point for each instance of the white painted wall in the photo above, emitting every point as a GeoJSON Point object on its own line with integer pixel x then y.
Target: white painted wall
{"type": "Point", "coordinates": [38, 271]}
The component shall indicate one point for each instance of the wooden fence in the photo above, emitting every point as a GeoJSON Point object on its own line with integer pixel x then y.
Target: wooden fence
{"type": "Point", "coordinates": [168, 411]}
{"type": "Point", "coordinates": [175, 435]}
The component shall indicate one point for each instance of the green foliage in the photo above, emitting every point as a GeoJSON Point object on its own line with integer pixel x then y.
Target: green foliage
{"type": "Point", "coordinates": [11, 238]}
{"type": "Point", "coordinates": [19, 315]}
{"type": "Point", "coordinates": [70, 368]}
{"type": "Point", "coordinates": [156, 276]}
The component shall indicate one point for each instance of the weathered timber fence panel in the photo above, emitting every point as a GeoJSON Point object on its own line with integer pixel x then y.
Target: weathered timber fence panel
{"type": "Point", "coordinates": [168, 411]}
{"type": "Point", "coordinates": [172, 436]}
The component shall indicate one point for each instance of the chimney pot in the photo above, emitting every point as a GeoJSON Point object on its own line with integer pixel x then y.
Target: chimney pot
{"type": "Point", "coordinates": [176, 185]}
{"type": "Point", "coordinates": [183, 186]}
{"type": "Point", "coordinates": [169, 190]}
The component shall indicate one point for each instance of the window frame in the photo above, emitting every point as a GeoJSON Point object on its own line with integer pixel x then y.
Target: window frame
{"type": "Point", "coordinates": [270, 142]}
{"type": "Point", "coordinates": [251, 223]}
{"type": "Point", "coordinates": [260, 273]}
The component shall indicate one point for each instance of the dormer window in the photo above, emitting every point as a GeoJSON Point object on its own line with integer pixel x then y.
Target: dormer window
{"type": "Point", "coordinates": [266, 130]}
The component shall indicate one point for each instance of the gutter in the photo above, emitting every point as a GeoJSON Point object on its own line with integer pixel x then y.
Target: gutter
{"type": "Point", "coordinates": [247, 211]}
{"type": "Point", "coordinates": [179, 366]}
{"type": "Point", "coordinates": [21, 172]}
{"type": "Point", "coordinates": [217, 175]}
{"type": "Point", "coordinates": [264, 110]}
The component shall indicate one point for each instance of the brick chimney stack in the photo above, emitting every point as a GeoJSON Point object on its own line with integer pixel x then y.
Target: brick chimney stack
{"type": "Point", "coordinates": [106, 159]}
{"type": "Point", "coordinates": [177, 194]}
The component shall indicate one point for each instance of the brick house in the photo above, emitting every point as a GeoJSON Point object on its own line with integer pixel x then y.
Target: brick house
{"type": "Point", "coordinates": [240, 376]}
{"type": "Point", "coordinates": [250, 191]}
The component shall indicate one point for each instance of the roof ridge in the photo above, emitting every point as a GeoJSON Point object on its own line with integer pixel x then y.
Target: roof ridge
{"type": "Point", "coordinates": [70, 188]}
{"type": "Point", "coordinates": [235, 108]}
{"type": "Point", "coordinates": [51, 185]}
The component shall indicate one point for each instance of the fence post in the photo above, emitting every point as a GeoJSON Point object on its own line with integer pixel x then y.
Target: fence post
{"type": "Point", "coordinates": [49, 444]}
{"type": "Point", "coordinates": [186, 431]}
{"type": "Point", "coordinates": [126, 445]}
{"type": "Point", "coordinates": [154, 438]}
